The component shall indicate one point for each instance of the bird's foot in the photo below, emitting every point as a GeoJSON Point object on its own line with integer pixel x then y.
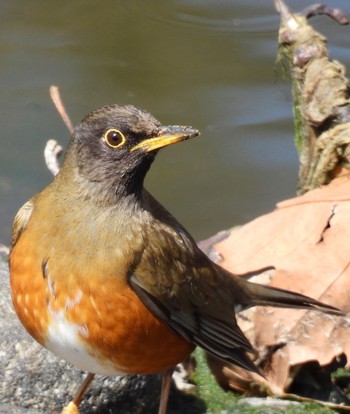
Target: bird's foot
{"type": "Point", "coordinates": [71, 408]}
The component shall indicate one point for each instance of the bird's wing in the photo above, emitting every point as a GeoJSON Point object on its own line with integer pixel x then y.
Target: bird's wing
{"type": "Point", "coordinates": [184, 288]}
{"type": "Point", "coordinates": [21, 220]}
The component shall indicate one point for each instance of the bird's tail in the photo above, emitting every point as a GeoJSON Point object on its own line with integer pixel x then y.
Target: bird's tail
{"type": "Point", "coordinates": [260, 295]}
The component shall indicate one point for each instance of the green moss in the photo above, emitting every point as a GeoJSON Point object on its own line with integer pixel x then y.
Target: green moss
{"type": "Point", "coordinates": [298, 118]}
{"type": "Point", "coordinates": [222, 402]}
{"type": "Point", "coordinates": [216, 399]}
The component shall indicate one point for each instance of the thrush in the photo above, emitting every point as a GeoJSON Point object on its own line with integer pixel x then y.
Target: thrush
{"type": "Point", "coordinates": [105, 277]}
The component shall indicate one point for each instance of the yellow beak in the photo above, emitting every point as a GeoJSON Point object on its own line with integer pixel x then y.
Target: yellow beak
{"type": "Point", "coordinates": [167, 136]}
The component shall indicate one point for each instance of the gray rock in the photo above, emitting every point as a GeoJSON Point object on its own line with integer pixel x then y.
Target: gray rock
{"type": "Point", "coordinates": [34, 381]}
{"type": "Point", "coordinates": [268, 403]}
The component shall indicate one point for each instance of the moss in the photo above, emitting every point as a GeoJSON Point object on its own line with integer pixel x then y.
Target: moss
{"type": "Point", "coordinates": [219, 401]}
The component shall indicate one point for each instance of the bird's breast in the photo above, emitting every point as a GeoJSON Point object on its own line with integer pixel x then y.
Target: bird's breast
{"type": "Point", "coordinates": [70, 290]}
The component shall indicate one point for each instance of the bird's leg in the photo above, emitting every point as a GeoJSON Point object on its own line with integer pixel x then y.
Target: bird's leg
{"type": "Point", "coordinates": [72, 407]}
{"type": "Point", "coordinates": [164, 395]}
{"type": "Point", "coordinates": [84, 386]}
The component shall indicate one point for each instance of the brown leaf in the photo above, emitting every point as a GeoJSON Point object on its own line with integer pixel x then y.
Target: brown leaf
{"type": "Point", "coordinates": [307, 240]}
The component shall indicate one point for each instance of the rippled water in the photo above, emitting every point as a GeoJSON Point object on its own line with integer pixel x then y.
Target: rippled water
{"type": "Point", "coordinates": [210, 64]}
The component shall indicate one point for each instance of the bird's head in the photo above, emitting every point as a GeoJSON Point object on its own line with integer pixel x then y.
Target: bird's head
{"type": "Point", "coordinates": [115, 146]}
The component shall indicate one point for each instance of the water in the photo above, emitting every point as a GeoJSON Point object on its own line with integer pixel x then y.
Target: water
{"type": "Point", "coordinates": [210, 64]}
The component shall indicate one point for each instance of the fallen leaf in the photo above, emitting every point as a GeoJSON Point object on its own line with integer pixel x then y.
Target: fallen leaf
{"type": "Point", "coordinates": [306, 239]}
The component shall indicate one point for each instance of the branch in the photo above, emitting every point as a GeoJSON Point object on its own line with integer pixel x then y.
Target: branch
{"type": "Point", "coordinates": [321, 97]}
{"type": "Point", "coordinates": [53, 150]}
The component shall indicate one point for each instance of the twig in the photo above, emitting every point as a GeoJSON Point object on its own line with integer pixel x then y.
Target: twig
{"type": "Point", "coordinates": [320, 94]}
{"type": "Point", "coordinates": [52, 153]}
{"type": "Point", "coordinates": [56, 99]}
{"type": "Point", "coordinates": [287, 17]}
{"type": "Point", "coordinates": [53, 150]}
{"type": "Point", "coordinates": [319, 9]}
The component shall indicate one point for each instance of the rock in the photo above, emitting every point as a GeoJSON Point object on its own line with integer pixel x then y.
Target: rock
{"type": "Point", "coordinates": [268, 402]}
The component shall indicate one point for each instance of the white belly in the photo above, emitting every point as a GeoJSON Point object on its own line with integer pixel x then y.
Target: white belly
{"type": "Point", "coordinates": [64, 340]}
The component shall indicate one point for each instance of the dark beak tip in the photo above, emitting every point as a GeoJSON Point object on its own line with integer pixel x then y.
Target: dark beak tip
{"type": "Point", "coordinates": [192, 132]}
{"type": "Point", "coordinates": [186, 131]}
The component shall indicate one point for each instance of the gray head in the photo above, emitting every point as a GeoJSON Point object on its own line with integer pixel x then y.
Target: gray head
{"type": "Point", "coordinates": [115, 146]}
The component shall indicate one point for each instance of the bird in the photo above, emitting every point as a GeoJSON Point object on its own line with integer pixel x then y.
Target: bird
{"type": "Point", "coordinates": [103, 276]}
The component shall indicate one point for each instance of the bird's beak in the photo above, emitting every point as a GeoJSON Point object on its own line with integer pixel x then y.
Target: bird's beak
{"type": "Point", "coordinates": [167, 136]}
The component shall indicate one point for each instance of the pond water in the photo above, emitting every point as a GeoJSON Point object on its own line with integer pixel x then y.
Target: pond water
{"type": "Point", "coordinates": [209, 64]}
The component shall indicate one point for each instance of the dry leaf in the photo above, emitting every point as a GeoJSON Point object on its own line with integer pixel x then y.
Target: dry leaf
{"type": "Point", "coordinates": [307, 240]}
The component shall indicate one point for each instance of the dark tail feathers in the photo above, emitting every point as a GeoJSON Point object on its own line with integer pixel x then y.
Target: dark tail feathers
{"type": "Point", "coordinates": [271, 296]}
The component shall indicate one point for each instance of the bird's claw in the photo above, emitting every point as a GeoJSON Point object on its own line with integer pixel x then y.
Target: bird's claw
{"type": "Point", "coordinates": [71, 408]}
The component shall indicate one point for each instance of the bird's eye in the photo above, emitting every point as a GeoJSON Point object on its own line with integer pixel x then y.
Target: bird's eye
{"type": "Point", "coordinates": [114, 138]}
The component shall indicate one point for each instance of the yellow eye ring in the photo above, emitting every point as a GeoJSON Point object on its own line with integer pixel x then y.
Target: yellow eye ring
{"type": "Point", "coordinates": [114, 138]}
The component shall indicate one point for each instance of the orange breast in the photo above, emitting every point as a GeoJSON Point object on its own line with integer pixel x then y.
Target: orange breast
{"type": "Point", "coordinates": [92, 319]}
